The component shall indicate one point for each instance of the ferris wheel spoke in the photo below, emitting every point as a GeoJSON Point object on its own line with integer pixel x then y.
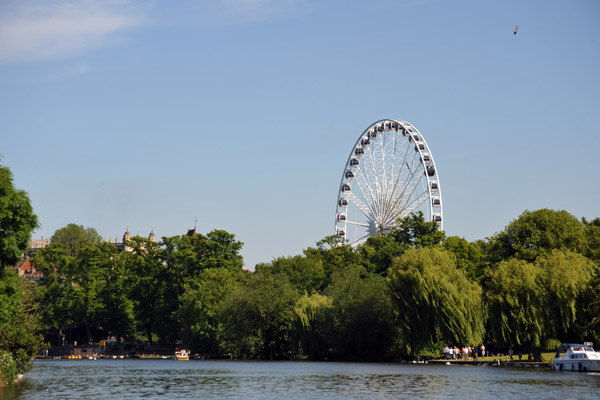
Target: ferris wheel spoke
{"type": "Point", "coordinates": [364, 208]}
{"type": "Point", "coordinates": [365, 189]}
{"type": "Point", "coordinates": [413, 205]}
{"type": "Point", "coordinates": [357, 223]}
{"type": "Point", "coordinates": [360, 240]}
{"type": "Point", "coordinates": [400, 173]}
{"type": "Point", "coordinates": [371, 172]}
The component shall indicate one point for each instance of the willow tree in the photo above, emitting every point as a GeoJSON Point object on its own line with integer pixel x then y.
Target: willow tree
{"type": "Point", "coordinates": [531, 303]}
{"type": "Point", "coordinates": [313, 314]}
{"type": "Point", "coordinates": [569, 282]}
{"type": "Point", "coordinates": [514, 302]}
{"type": "Point", "coordinates": [436, 303]}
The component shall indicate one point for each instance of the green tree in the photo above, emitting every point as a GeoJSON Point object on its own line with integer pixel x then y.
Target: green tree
{"type": "Point", "coordinates": [88, 278]}
{"type": "Point", "coordinates": [17, 220]}
{"type": "Point", "coordinates": [334, 255]}
{"type": "Point", "coordinates": [115, 311]}
{"type": "Point", "coordinates": [536, 233]}
{"type": "Point", "coordinates": [436, 302]}
{"type": "Point", "coordinates": [76, 237]}
{"type": "Point", "coordinates": [515, 302]}
{"type": "Point", "coordinates": [190, 255]}
{"type": "Point", "coordinates": [258, 318]}
{"type": "Point", "coordinates": [567, 282]}
{"type": "Point", "coordinates": [149, 282]}
{"type": "Point", "coordinates": [19, 340]}
{"type": "Point", "coordinates": [201, 329]}
{"type": "Point", "coordinates": [362, 313]}
{"type": "Point", "coordinates": [468, 256]}
{"type": "Point", "coordinates": [56, 292]}
{"type": "Point", "coordinates": [379, 252]}
{"type": "Point", "coordinates": [592, 234]}
{"type": "Point", "coordinates": [305, 273]}
{"type": "Point", "coordinates": [314, 316]}
{"type": "Point", "coordinates": [414, 231]}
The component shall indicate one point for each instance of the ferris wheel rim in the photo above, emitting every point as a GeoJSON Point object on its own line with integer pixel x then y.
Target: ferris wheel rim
{"type": "Point", "coordinates": [381, 206]}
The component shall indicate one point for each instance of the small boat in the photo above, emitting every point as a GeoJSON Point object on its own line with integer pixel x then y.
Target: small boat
{"type": "Point", "coordinates": [182, 355]}
{"type": "Point", "coordinates": [577, 357]}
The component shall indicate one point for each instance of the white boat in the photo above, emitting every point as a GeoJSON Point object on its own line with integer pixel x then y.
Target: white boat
{"type": "Point", "coordinates": [577, 357]}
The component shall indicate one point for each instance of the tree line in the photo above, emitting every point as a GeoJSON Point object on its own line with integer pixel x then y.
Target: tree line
{"type": "Point", "coordinates": [407, 293]}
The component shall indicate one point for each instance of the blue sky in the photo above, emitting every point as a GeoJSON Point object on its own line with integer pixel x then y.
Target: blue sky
{"type": "Point", "coordinates": [242, 113]}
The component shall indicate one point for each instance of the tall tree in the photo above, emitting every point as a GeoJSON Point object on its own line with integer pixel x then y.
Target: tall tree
{"type": "Point", "coordinates": [197, 314]}
{"type": "Point", "coordinates": [379, 252]}
{"type": "Point", "coordinates": [17, 220]}
{"type": "Point", "coordinates": [468, 256]}
{"type": "Point", "coordinates": [362, 314]}
{"type": "Point", "coordinates": [515, 304]}
{"type": "Point", "coordinates": [258, 318]}
{"type": "Point", "coordinates": [149, 281]}
{"type": "Point", "coordinates": [436, 302]}
{"type": "Point", "coordinates": [592, 234]}
{"type": "Point", "coordinates": [314, 317]}
{"type": "Point", "coordinates": [568, 282]}
{"type": "Point", "coordinates": [305, 273]}
{"type": "Point", "coordinates": [76, 237]}
{"type": "Point", "coordinates": [536, 233]}
{"type": "Point", "coordinates": [414, 231]}
{"type": "Point", "coordinates": [19, 340]}
{"type": "Point", "coordinates": [334, 255]}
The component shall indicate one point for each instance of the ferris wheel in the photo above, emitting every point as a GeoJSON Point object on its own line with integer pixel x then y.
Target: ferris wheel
{"type": "Point", "coordinates": [389, 174]}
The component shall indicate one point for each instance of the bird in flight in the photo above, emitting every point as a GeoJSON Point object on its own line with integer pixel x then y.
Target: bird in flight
{"type": "Point", "coordinates": [515, 30]}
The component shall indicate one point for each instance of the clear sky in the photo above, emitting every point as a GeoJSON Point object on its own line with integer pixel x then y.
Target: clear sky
{"type": "Point", "coordinates": [242, 113]}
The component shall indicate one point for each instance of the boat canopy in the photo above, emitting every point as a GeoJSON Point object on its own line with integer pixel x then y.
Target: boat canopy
{"type": "Point", "coordinates": [575, 346]}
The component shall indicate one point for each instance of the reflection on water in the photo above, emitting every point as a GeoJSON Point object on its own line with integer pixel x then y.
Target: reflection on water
{"type": "Point", "coordinates": [168, 379]}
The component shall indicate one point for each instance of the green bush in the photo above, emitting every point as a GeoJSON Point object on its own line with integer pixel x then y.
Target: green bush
{"type": "Point", "coordinates": [8, 368]}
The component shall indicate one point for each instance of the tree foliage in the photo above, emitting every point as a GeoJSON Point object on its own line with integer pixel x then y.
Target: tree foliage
{"type": "Point", "coordinates": [408, 292]}
{"type": "Point", "coordinates": [531, 303]}
{"type": "Point", "coordinates": [258, 318]}
{"type": "Point", "coordinates": [17, 220]}
{"type": "Point", "coordinates": [306, 274]}
{"type": "Point", "coordinates": [362, 313]}
{"type": "Point", "coordinates": [314, 314]}
{"type": "Point", "coordinates": [19, 338]}
{"type": "Point", "coordinates": [436, 302]}
{"type": "Point", "coordinates": [197, 314]}
{"type": "Point", "coordinates": [414, 231]}
{"type": "Point", "coordinates": [536, 233]}
{"type": "Point", "coordinates": [75, 237]}
{"type": "Point", "coordinates": [468, 256]}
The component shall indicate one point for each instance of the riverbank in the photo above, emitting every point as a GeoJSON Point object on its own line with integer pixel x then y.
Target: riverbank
{"type": "Point", "coordinates": [494, 363]}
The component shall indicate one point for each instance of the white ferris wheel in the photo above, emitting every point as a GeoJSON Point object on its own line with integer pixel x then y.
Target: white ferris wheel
{"type": "Point", "coordinates": [389, 174]}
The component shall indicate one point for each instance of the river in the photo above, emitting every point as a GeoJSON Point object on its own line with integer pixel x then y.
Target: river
{"type": "Point", "coordinates": [170, 379]}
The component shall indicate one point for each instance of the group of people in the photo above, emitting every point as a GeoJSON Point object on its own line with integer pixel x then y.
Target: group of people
{"type": "Point", "coordinates": [464, 353]}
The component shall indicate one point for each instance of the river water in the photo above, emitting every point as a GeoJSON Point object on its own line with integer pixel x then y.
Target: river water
{"type": "Point", "coordinates": [170, 379]}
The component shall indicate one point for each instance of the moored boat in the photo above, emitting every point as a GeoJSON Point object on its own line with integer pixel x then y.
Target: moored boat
{"type": "Point", "coordinates": [577, 357]}
{"type": "Point", "coordinates": [182, 355]}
